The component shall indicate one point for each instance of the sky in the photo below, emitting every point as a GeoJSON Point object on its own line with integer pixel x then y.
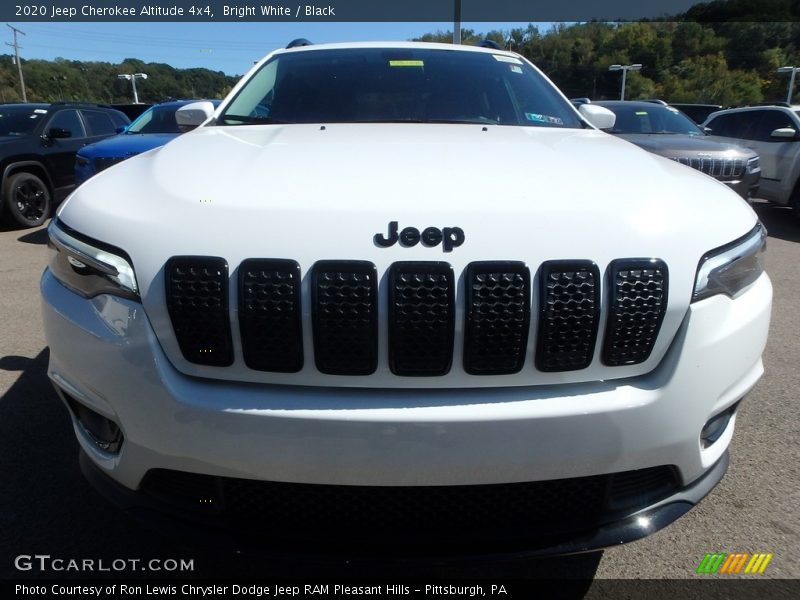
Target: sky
{"type": "Point", "coordinates": [227, 47]}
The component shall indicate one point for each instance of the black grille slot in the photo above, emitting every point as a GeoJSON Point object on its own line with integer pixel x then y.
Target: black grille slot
{"type": "Point", "coordinates": [570, 310]}
{"type": "Point", "coordinates": [497, 317]}
{"type": "Point", "coordinates": [421, 318]}
{"type": "Point", "coordinates": [197, 301]}
{"type": "Point", "coordinates": [637, 307]}
{"type": "Point", "coordinates": [269, 315]}
{"type": "Point", "coordinates": [345, 317]}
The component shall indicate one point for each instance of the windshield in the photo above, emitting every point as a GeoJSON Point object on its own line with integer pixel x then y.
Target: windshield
{"type": "Point", "coordinates": [20, 121]}
{"type": "Point", "coordinates": [158, 119]}
{"type": "Point", "coordinates": [652, 119]}
{"type": "Point", "coordinates": [368, 85]}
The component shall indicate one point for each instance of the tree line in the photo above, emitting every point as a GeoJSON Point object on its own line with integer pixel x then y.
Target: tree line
{"type": "Point", "coordinates": [72, 80]}
{"type": "Point", "coordinates": [719, 62]}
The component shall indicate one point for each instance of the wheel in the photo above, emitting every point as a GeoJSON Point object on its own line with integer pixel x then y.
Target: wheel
{"type": "Point", "coordinates": [27, 200]}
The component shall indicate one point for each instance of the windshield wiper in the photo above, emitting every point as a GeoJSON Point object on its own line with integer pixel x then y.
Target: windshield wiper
{"type": "Point", "coordinates": [251, 119]}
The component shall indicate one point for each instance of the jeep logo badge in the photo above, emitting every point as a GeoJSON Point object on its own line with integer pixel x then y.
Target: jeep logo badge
{"type": "Point", "coordinates": [449, 237]}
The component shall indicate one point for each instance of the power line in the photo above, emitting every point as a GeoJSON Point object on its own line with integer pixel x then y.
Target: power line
{"type": "Point", "coordinates": [16, 47]}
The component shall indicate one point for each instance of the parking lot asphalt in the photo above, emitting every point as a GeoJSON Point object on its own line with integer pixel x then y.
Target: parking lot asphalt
{"type": "Point", "coordinates": [46, 507]}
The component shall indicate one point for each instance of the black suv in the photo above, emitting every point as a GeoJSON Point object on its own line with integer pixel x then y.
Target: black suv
{"type": "Point", "coordinates": [38, 143]}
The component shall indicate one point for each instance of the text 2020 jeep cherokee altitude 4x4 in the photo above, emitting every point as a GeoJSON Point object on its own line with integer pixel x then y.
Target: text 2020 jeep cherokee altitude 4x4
{"type": "Point", "coordinates": [400, 297]}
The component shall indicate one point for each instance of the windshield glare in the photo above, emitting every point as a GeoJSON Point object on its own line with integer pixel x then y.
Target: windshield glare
{"type": "Point", "coordinates": [652, 119]}
{"type": "Point", "coordinates": [20, 121]}
{"type": "Point", "coordinates": [364, 85]}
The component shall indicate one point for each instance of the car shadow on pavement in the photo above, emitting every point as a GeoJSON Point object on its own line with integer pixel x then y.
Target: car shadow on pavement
{"type": "Point", "coordinates": [46, 507]}
{"type": "Point", "coordinates": [34, 237]}
{"type": "Point", "coordinates": [781, 222]}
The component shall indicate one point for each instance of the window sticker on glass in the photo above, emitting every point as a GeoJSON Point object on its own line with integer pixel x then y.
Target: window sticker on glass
{"type": "Point", "coordinates": [515, 69]}
{"type": "Point", "coordinates": [507, 59]}
{"type": "Point", "coordinates": [406, 63]}
{"type": "Point", "coordinates": [537, 118]}
{"type": "Point", "coordinates": [641, 113]}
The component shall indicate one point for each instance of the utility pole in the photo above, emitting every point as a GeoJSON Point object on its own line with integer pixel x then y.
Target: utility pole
{"type": "Point", "coordinates": [16, 47]}
{"type": "Point", "coordinates": [793, 71]}
{"type": "Point", "coordinates": [457, 22]}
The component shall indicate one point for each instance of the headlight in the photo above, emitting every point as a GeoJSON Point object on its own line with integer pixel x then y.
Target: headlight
{"type": "Point", "coordinates": [730, 269]}
{"type": "Point", "coordinates": [753, 165]}
{"type": "Point", "coordinates": [89, 267]}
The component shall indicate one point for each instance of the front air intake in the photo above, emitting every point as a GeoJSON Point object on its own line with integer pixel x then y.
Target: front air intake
{"type": "Point", "coordinates": [421, 318]}
{"type": "Point", "coordinates": [269, 315]}
{"type": "Point", "coordinates": [344, 299]}
{"type": "Point", "coordinates": [637, 307]}
{"type": "Point", "coordinates": [498, 308]}
{"type": "Point", "coordinates": [569, 313]}
{"type": "Point", "coordinates": [197, 301]}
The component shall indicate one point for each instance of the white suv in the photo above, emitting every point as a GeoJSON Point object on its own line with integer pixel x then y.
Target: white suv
{"type": "Point", "coordinates": [773, 132]}
{"type": "Point", "coordinates": [401, 297]}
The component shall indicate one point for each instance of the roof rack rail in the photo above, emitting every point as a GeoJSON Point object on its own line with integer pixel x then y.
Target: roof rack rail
{"type": "Point", "coordinates": [490, 44]}
{"type": "Point", "coordinates": [299, 42]}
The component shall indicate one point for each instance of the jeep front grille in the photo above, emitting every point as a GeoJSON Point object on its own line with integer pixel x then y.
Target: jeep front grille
{"type": "Point", "coordinates": [420, 313]}
{"type": "Point", "coordinates": [638, 304]}
{"type": "Point", "coordinates": [197, 302]}
{"type": "Point", "coordinates": [719, 168]}
{"type": "Point", "coordinates": [498, 310]}
{"type": "Point", "coordinates": [345, 317]}
{"type": "Point", "coordinates": [269, 315]}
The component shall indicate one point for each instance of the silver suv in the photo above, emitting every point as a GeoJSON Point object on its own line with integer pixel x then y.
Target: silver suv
{"type": "Point", "coordinates": [772, 131]}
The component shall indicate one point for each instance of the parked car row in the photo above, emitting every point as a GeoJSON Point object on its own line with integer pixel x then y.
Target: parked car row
{"type": "Point", "coordinates": [154, 127]}
{"type": "Point", "coordinates": [666, 131]}
{"type": "Point", "coordinates": [46, 150]}
{"type": "Point", "coordinates": [38, 143]}
{"type": "Point", "coordinates": [773, 132]}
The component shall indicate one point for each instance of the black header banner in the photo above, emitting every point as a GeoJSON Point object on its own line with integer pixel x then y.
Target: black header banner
{"type": "Point", "coordinates": [401, 11]}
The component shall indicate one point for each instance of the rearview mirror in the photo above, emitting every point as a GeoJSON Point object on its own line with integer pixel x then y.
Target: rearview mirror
{"type": "Point", "coordinates": [599, 116]}
{"type": "Point", "coordinates": [194, 114]}
{"type": "Point", "coordinates": [784, 132]}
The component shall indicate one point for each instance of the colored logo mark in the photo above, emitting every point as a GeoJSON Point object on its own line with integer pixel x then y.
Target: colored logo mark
{"type": "Point", "coordinates": [737, 562]}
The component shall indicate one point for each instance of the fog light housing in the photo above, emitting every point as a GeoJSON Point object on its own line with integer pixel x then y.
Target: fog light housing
{"type": "Point", "coordinates": [104, 433]}
{"type": "Point", "coordinates": [716, 425]}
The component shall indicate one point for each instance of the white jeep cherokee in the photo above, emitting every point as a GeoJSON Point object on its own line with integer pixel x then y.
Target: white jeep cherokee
{"type": "Point", "coordinates": [405, 298]}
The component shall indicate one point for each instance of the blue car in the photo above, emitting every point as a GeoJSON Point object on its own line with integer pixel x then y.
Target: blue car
{"type": "Point", "coordinates": [153, 128]}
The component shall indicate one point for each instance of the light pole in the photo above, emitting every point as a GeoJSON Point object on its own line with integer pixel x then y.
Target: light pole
{"type": "Point", "coordinates": [793, 71]}
{"type": "Point", "coordinates": [624, 69]}
{"type": "Point", "coordinates": [132, 77]}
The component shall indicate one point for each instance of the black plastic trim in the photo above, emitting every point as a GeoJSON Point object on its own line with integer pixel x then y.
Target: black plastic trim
{"type": "Point", "coordinates": [219, 357]}
{"type": "Point", "coordinates": [369, 330]}
{"type": "Point", "coordinates": [636, 524]}
{"type": "Point", "coordinates": [542, 350]}
{"type": "Point", "coordinates": [396, 358]}
{"type": "Point", "coordinates": [614, 321]}
{"type": "Point", "coordinates": [287, 356]}
{"type": "Point", "coordinates": [471, 335]}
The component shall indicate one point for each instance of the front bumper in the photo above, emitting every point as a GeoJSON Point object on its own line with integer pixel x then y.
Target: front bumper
{"type": "Point", "coordinates": [104, 354]}
{"type": "Point", "coordinates": [353, 539]}
{"type": "Point", "coordinates": [747, 187]}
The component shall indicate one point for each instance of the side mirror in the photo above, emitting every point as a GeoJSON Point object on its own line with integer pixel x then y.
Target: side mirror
{"type": "Point", "coordinates": [784, 132]}
{"type": "Point", "coordinates": [599, 116]}
{"type": "Point", "coordinates": [57, 133]}
{"type": "Point", "coordinates": [708, 130]}
{"type": "Point", "coordinates": [194, 114]}
{"type": "Point", "coordinates": [121, 129]}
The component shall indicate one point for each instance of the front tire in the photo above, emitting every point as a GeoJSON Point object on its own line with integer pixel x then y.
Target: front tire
{"type": "Point", "coordinates": [27, 200]}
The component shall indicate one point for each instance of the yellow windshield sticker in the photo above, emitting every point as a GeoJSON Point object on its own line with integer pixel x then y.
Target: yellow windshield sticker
{"type": "Point", "coordinates": [406, 63]}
